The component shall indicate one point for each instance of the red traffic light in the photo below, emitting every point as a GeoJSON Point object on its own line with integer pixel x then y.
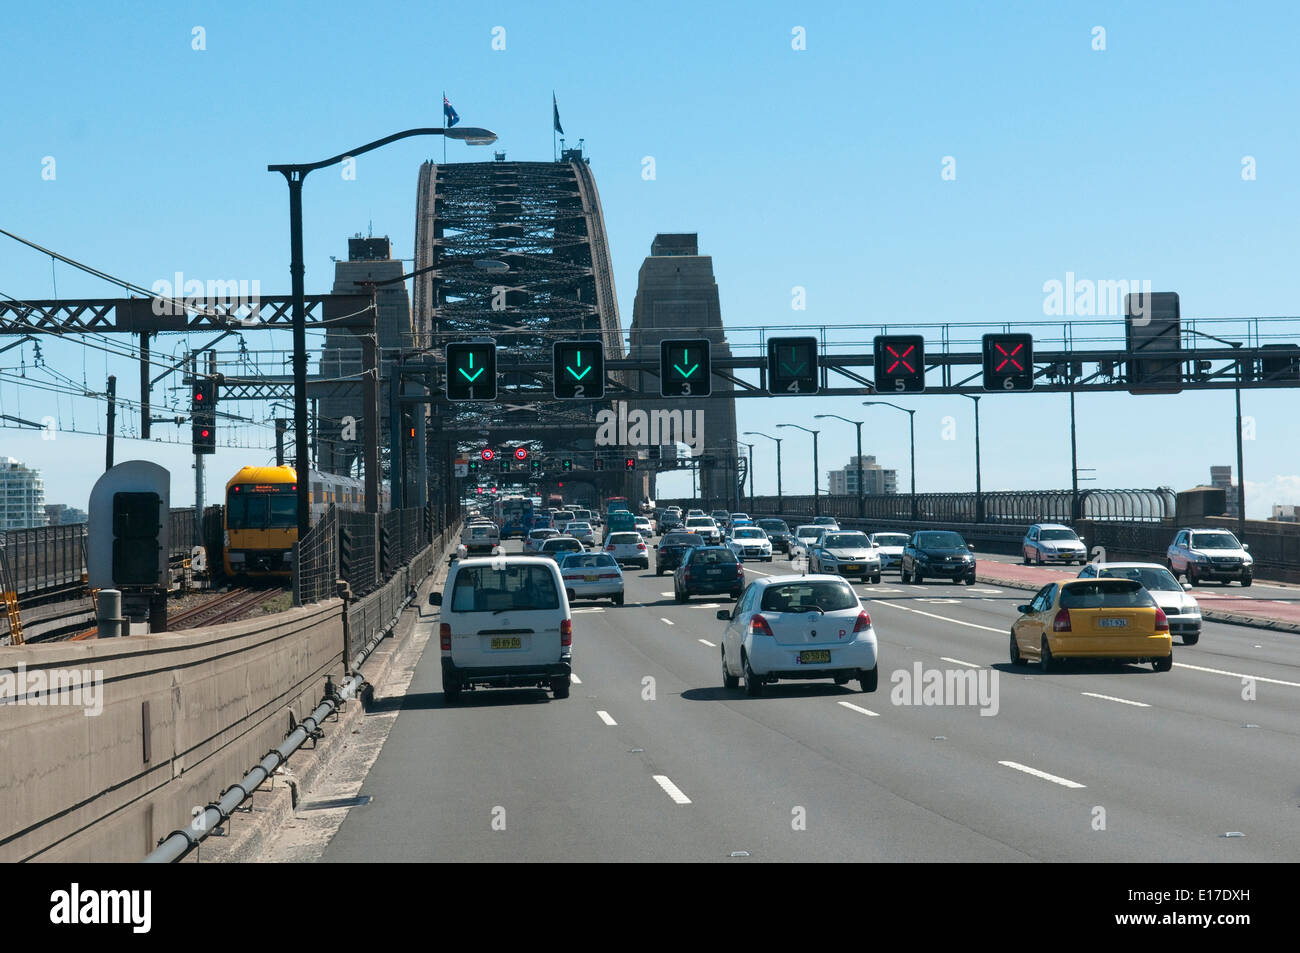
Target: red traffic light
{"type": "Point", "coordinates": [629, 463]}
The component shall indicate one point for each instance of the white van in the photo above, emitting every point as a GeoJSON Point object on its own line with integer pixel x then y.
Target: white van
{"type": "Point", "coordinates": [505, 623]}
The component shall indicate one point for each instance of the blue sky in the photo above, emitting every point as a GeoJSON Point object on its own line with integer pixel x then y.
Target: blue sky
{"type": "Point", "coordinates": [817, 168]}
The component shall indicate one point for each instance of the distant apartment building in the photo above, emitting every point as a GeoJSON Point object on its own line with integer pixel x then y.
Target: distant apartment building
{"type": "Point", "coordinates": [22, 495]}
{"type": "Point", "coordinates": [1221, 478]}
{"type": "Point", "coordinates": [1286, 513]}
{"type": "Point", "coordinates": [876, 480]}
{"type": "Point", "coordinates": [60, 514]}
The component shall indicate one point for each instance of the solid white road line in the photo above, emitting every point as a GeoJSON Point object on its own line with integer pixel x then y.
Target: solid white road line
{"type": "Point", "coordinates": [672, 790]}
{"type": "Point", "coordinates": [1112, 698]}
{"type": "Point", "coordinates": [708, 643]}
{"type": "Point", "coordinates": [666, 621]}
{"type": "Point", "coordinates": [859, 709]}
{"type": "Point", "coordinates": [604, 716]}
{"type": "Point", "coordinates": [1064, 782]}
{"type": "Point", "coordinates": [957, 661]}
{"type": "Point", "coordinates": [941, 618]}
{"type": "Point", "coordinates": [1219, 671]}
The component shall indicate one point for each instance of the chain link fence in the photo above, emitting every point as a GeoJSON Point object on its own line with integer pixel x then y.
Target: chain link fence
{"type": "Point", "coordinates": [364, 550]}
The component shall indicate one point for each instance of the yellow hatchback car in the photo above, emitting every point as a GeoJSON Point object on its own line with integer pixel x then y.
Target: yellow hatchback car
{"type": "Point", "coordinates": [1092, 618]}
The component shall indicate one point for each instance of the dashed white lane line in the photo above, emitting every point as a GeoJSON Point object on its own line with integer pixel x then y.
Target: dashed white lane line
{"type": "Point", "coordinates": [604, 716]}
{"type": "Point", "coordinates": [941, 618]}
{"type": "Point", "coordinates": [1064, 782]}
{"type": "Point", "coordinates": [575, 679]}
{"type": "Point", "coordinates": [671, 789]}
{"type": "Point", "coordinates": [1219, 671]}
{"type": "Point", "coordinates": [860, 709]}
{"type": "Point", "coordinates": [957, 661]}
{"type": "Point", "coordinates": [1112, 698]}
{"type": "Point", "coordinates": [707, 642]}
{"type": "Point", "coordinates": [666, 621]}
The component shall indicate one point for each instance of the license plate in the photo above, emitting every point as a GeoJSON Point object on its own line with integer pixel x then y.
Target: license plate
{"type": "Point", "coordinates": [815, 655]}
{"type": "Point", "coordinates": [590, 578]}
{"type": "Point", "coordinates": [510, 643]}
{"type": "Point", "coordinates": [851, 566]}
{"type": "Point", "coordinates": [714, 572]}
{"type": "Point", "coordinates": [1113, 623]}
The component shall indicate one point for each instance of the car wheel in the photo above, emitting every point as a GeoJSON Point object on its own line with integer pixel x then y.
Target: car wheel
{"type": "Point", "coordinates": [1191, 638]}
{"type": "Point", "coordinates": [658, 571]}
{"type": "Point", "coordinates": [1191, 576]}
{"type": "Point", "coordinates": [618, 600]}
{"type": "Point", "coordinates": [868, 679]}
{"type": "Point", "coordinates": [560, 686]}
{"type": "Point", "coordinates": [646, 564]}
{"type": "Point", "coordinates": [920, 580]}
{"type": "Point", "coordinates": [735, 595]}
{"type": "Point", "coordinates": [570, 593]}
{"type": "Point", "coordinates": [1163, 664]}
{"type": "Point", "coordinates": [753, 687]}
{"type": "Point", "coordinates": [875, 580]}
{"type": "Point", "coordinates": [1169, 564]}
{"type": "Point", "coordinates": [905, 576]}
{"type": "Point", "coordinates": [682, 596]}
{"type": "Point", "coordinates": [970, 580]}
{"type": "Point", "coordinates": [1045, 661]}
{"type": "Point", "coordinates": [1016, 657]}
{"type": "Point", "coordinates": [451, 691]}
{"type": "Point", "coordinates": [729, 681]}
{"type": "Point", "coordinates": [1246, 581]}
{"type": "Point", "coordinates": [1038, 556]}
{"type": "Point", "coordinates": [1025, 556]}
{"type": "Point", "coordinates": [841, 679]}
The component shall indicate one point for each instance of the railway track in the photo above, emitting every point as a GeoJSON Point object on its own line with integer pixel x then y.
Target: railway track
{"type": "Point", "coordinates": [223, 608]}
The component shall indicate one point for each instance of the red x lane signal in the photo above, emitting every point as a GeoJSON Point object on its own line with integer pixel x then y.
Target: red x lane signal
{"type": "Point", "coordinates": [900, 364]}
{"type": "Point", "coordinates": [1008, 362]}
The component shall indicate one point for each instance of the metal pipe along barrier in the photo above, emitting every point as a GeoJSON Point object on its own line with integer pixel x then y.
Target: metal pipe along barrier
{"type": "Point", "coordinates": [176, 845]}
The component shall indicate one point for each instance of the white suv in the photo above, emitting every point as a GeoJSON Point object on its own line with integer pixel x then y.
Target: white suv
{"type": "Point", "coordinates": [1201, 554]}
{"type": "Point", "coordinates": [505, 623]}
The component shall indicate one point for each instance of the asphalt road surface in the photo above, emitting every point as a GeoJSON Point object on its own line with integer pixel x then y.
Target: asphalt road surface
{"type": "Point", "coordinates": [651, 759]}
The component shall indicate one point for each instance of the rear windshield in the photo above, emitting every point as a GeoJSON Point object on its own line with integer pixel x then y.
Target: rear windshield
{"type": "Point", "coordinates": [679, 539]}
{"type": "Point", "coordinates": [805, 596]}
{"type": "Point", "coordinates": [1153, 578]}
{"type": "Point", "coordinates": [588, 560]}
{"type": "Point", "coordinates": [712, 557]}
{"type": "Point", "coordinates": [846, 541]}
{"type": "Point", "coordinates": [560, 545]}
{"type": "Point", "coordinates": [939, 541]}
{"type": "Point", "coordinates": [564, 516]}
{"type": "Point", "coordinates": [489, 589]}
{"type": "Point", "coordinates": [482, 532]}
{"type": "Point", "coordinates": [542, 534]}
{"type": "Point", "coordinates": [808, 532]}
{"type": "Point", "coordinates": [627, 539]}
{"type": "Point", "coordinates": [1105, 594]}
{"type": "Point", "coordinates": [575, 526]}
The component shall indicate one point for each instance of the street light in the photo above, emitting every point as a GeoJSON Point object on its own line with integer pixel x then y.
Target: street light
{"type": "Point", "coordinates": [294, 175]}
{"type": "Point", "coordinates": [755, 433]}
{"type": "Point", "coordinates": [862, 510]}
{"type": "Point", "coordinates": [817, 501]}
{"type": "Point", "coordinates": [911, 428]}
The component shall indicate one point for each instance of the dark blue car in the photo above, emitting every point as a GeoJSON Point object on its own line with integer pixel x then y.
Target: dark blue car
{"type": "Point", "coordinates": [708, 571]}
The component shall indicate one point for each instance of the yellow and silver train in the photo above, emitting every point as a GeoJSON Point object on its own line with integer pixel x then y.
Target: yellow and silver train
{"type": "Point", "coordinates": [260, 521]}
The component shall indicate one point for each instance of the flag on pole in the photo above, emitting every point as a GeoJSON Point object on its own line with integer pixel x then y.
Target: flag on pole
{"type": "Point", "coordinates": [448, 113]}
{"type": "Point", "coordinates": [556, 110]}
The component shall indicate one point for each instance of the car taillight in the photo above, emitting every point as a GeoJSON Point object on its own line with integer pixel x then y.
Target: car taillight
{"type": "Point", "coordinates": [758, 625]}
{"type": "Point", "coordinates": [609, 575]}
{"type": "Point", "coordinates": [566, 632]}
{"type": "Point", "coordinates": [740, 570]}
{"type": "Point", "coordinates": [1162, 620]}
{"type": "Point", "coordinates": [444, 636]}
{"type": "Point", "coordinates": [609, 548]}
{"type": "Point", "coordinates": [1062, 621]}
{"type": "Point", "coordinates": [863, 623]}
{"type": "Point", "coordinates": [640, 546]}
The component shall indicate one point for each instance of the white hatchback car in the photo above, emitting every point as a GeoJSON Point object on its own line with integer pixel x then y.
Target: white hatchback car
{"type": "Point", "coordinates": [750, 542]}
{"type": "Point", "coordinates": [889, 547]}
{"type": "Point", "coordinates": [804, 536]}
{"type": "Point", "coordinates": [628, 547]}
{"type": "Point", "coordinates": [536, 537]}
{"type": "Point", "coordinates": [504, 623]}
{"type": "Point", "coordinates": [798, 627]}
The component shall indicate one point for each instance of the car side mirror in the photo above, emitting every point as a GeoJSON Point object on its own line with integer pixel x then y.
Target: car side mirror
{"type": "Point", "coordinates": [1023, 610]}
{"type": "Point", "coordinates": [435, 598]}
{"type": "Point", "coordinates": [1245, 545]}
{"type": "Point", "coordinates": [971, 547]}
{"type": "Point", "coordinates": [1187, 587]}
{"type": "Point", "coordinates": [724, 615]}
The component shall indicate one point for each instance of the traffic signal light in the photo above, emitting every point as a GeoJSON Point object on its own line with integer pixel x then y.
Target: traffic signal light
{"type": "Point", "coordinates": [792, 366]}
{"type": "Point", "coordinates": [900, 364]}
{"type": "Point", "coordinates": [138, 559]}
{"type": "Point", "coordinates": [505, 466]}
{"type": "Point", "coordinates": [566, 464]}
{"type": "Point", "coordinates": [1153, 322]}
{"type": "Point", "coordinates": [629, 463]}
{"type": "Point", "coordinates": [203, 416]}
{"type": "Point", "coordinates": [1008, 362]}
{"type": "Point", "coordinates": [598, 464]}
{"type": "Point", "coordinates": [579, 370]}
{"type": "Point", "coordinates": [537, 464]}
{"type": "Point", "coordinates": [472, 370]}
{"type": "Point", "coordinates": [684, 369]}
{"type": "Point", "coordinates": [473, 466]}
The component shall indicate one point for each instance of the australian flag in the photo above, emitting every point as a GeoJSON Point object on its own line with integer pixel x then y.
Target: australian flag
{"type": "Point", "coordinates": [555, 112]}
{"type": "Point", "coordinates": [448, 113]}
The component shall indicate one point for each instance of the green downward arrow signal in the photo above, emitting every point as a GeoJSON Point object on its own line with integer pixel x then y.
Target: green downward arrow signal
{"type": "Point", "coordinates": [470, 377]}
{"type": "Point", "coordinates": [686, 356]}
{"type": "Point", "coordinates": [575, 374]}
{"type": "Point", "coordinates": [795, 370]}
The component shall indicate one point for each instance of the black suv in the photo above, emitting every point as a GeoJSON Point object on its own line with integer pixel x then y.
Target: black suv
{"type": "Point", "coordinates": [938, 553]}
{"type": "Point", "coordinates": [778, 532]}
{"type": "Point", "coordinates": [709, 570]}
{"type": "Point", "coordinates": [673, 548]}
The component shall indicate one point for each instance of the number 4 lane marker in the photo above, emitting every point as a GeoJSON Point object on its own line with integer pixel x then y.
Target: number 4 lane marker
{"type": "Point", "coordinates": [672, 790]}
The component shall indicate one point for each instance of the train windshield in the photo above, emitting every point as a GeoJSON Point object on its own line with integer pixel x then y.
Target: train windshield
{"type": "Point", "coordinates": [249, 507]}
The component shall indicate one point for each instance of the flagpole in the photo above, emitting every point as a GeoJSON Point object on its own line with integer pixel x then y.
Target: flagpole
{"type": "Point", "coordinates": [444, 138]}
{"type": "Point", "coordinates": [555, 155]}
